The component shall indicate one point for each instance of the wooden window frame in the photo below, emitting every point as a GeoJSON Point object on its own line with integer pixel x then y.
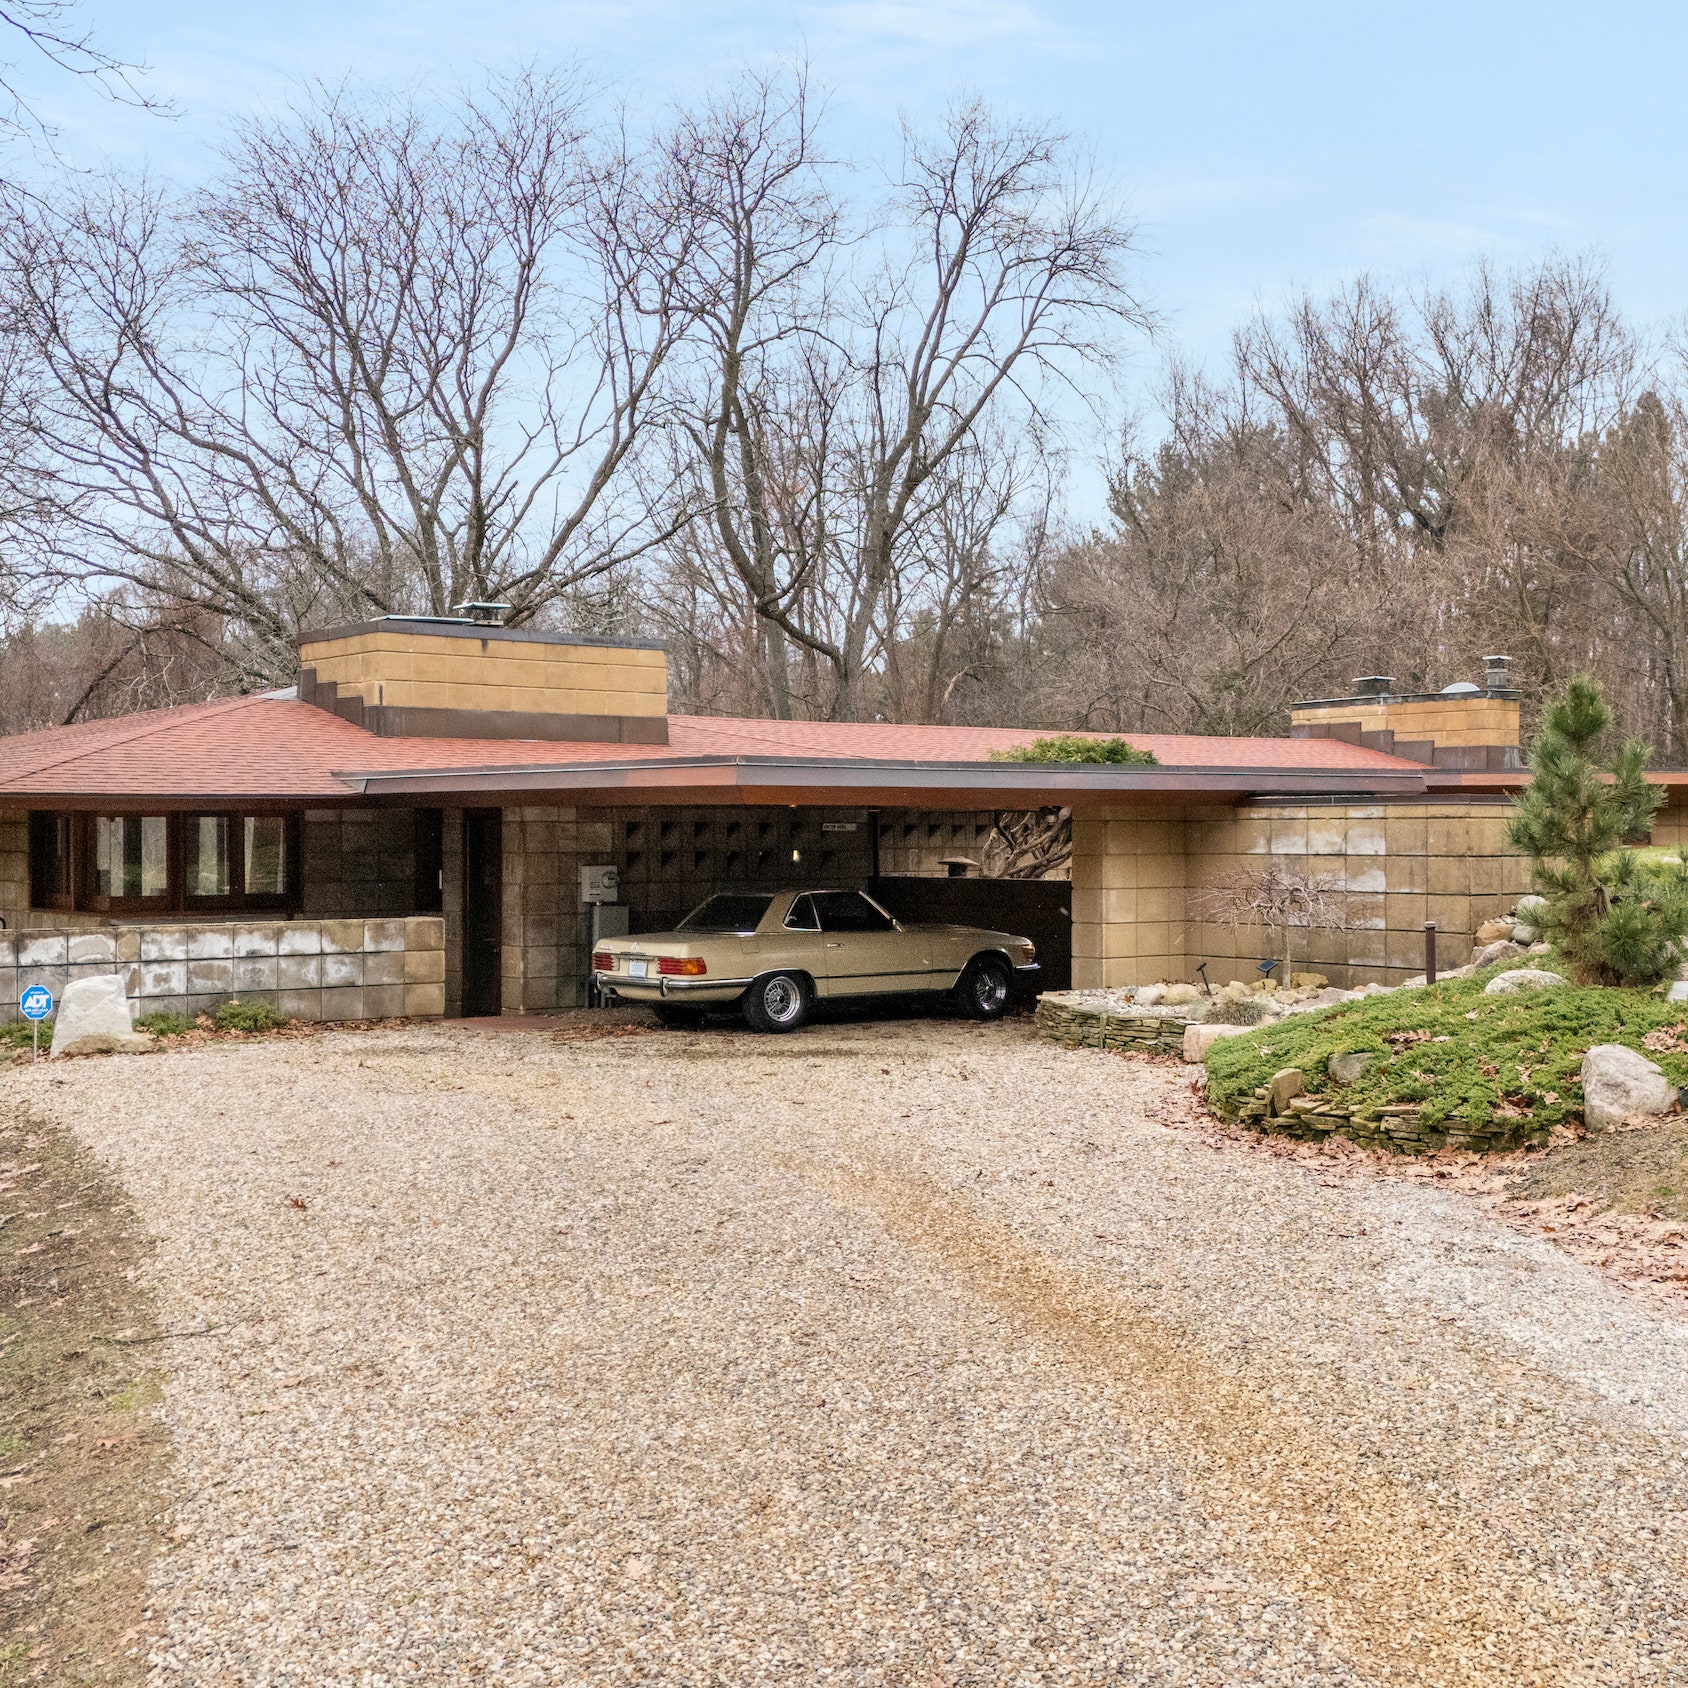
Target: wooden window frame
{"type": "Point", "coordinates": [78, 827]}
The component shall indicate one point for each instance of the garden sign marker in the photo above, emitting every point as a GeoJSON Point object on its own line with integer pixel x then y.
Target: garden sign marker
{"type": "Point", "coordinates": [35, 1005]}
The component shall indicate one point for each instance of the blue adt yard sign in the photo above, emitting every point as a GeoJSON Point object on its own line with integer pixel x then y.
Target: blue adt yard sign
{"type": "Point", "coordinates": [35, 1005]}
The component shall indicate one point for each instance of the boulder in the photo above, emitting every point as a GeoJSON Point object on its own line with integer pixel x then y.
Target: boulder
{"type": "Point", "coordinates": [1525, 935]}
{"type": "Point", "coordinates": [1486, 955]}
{"type": "Point", "coordinates": [1285, 1085]}
{"type": "Point", "coordinates": [1347, 1067]}
{"type": "Point", "coordinates": [1149, 996]}
{"type": "Point", "coordinates": [1327, 998]}
{"type": "Point", "coordinates": [1492, 931]}
{"type": "Point", "coordinates": [1176, 996]}
{"type": "Point", "coordinates": [1198, 1039]}
{"type": "Point", "coordinates": [95, 1018]}
{"type": "Point", "coordinates": [1530, 908]}
{"type": "Point", "coordinates": [1619, 1084]}
{"type": "Point", "coordinates": [1309, 981]}
{"type": "Point", "coordinates": [1523, 979]}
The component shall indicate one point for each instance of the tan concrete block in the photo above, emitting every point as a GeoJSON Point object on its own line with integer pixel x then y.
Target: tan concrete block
{"type": "Point", "coordinates": [385, 967]}
{"type": "Point", "coordinates": [1405, 835]}
{"type": "Point", "coordinates": [1406, 912]}
{"type": "Point", "coordinates": [1327, 835]}
{"type": "Point", "coordinates": [1448, 838]}
{"type": "Point", "coordinates": [1408, 873]}
{"type": "Point", "coordinates": [1452, 915]}
{"type": "Point", "coordinates": [341, 969]}
{"type": "Point", "coordinates": [424, 1001]}
{"type": "Point", "coordinates": [424, 966]}
{"type": "Point", "coordinates": [424, 931]}
{"type": "Point", "coordinates": [1450, 876]}
{"type": "Point", "coordinates": [1087, 972]}
{"type": "Point", "coordinates": [299, 1004]}
{"type": "Point", "coordinates": [1087, 940]}
{"type": "Point", "coordinates": [1403, 950]}
{"type": "Point", "coordinates": [1364, 873]}
{"type": "Point", "coordinates": [383, 1002]}
{"type": "Point", "coordinates": [1364, 909]}
{"type": "Point", "coordinates": [341, 937]}
{"type": "Point", "coordinates": [1367, 837]}
{"type": "Point", "coordinates": [344, 1003]}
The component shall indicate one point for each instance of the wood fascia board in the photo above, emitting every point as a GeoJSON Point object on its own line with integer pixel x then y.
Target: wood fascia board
{"type": "Point", "coordinates": [987, 784]}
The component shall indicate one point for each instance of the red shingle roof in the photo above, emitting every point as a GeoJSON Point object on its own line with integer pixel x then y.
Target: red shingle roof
{"type": "Point", "coordinates": [278, 748]}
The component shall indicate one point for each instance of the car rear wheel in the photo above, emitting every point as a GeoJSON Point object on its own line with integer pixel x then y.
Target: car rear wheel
{"type": "Point", "coordinates": [679, 1019]}
{"type": "Point", "coordinates": [777, 1002]}
{"type": "Point", "coordinates": [983, 989]}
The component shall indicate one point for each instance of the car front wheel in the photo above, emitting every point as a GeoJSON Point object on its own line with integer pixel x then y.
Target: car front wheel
{"type": "Point", "coordinates": [778, 1002]}
{"type": "Point", "coordinates": [983, 989]}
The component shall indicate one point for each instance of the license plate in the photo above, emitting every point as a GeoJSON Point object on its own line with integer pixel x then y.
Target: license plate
{"type": "Point", "coordinates": [637, 969]}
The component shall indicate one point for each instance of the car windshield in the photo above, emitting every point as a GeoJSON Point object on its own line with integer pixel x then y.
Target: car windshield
{"type": "Point", "coordinates": [727, 911]}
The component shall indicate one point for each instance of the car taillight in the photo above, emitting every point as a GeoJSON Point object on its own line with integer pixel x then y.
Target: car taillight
{"type": "Point", "coordinates": [603, 961]}
{"type": "Point", "coordinates": [690, 965]}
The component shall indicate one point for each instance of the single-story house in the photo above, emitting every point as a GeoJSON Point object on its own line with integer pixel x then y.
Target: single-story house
{"type": "Point", "coordinates": [423, 826]}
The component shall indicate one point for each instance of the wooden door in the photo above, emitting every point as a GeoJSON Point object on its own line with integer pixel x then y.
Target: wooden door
{"type": "Point", "coordinates": [483, 911]}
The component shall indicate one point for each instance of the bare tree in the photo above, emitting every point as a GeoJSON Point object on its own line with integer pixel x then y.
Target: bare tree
{"type": "Point", "coordinates": [388, 361]}
{"type": "Point", "coordinates": [1281, 902]}
{"type": "Point", "coordinates": [849, 427]}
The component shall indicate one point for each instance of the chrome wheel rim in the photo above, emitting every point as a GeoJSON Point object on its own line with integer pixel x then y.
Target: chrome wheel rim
{"type": "Point", "coordinates": [781, 999]}
{"type": "Point", "coordinates": [989, 990]}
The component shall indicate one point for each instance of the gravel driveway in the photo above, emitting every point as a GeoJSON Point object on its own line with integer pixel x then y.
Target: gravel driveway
{"type": "Point", "coordinates": [906, 1353]}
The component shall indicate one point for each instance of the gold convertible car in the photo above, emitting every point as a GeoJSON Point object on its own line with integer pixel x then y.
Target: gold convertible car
{"type": "Point", "coordinates": [772, 954]}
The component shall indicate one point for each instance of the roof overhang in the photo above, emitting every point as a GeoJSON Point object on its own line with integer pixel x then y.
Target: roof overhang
{"type": "Point", "coordinates": [861, 780]}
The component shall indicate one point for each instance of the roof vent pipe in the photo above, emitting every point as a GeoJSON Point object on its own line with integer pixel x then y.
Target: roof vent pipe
{"type": "Point", "coordinates": [1497, 673]}
{"type": "Point", "coordinates": [489, 615]}
{"type": "Point", "coordinates": [1373, 685]}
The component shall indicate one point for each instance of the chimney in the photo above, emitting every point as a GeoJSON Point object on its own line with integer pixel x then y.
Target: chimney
{"type": "Point", "coordinates": [1471, 729]}
{"type": "Point", "coordinates": [418, 676]}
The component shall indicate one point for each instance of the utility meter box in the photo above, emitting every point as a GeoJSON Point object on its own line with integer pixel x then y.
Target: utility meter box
{"type": "Point", "coordinates": [599, 885]}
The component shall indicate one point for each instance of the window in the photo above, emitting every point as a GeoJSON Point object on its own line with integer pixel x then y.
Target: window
{"type": "Point", "coordinates": [850, 911]}
{"type": "Point", "coordinates": [265, 856]}
{"type": "Point", "coordinates": [52, 879]}
{"type": "Point", "coordinates": [802, 917]}
{"type": "Point", "coordinates": [208, 855]}
{"type": "Point", "coordinates": [131, 857]}
{"type": "Point", "coordinates": [727, 911]}
{"type": "Point", "coordinates": [239, 861]}
{"type": "Point", "coordinates": [146, 864]}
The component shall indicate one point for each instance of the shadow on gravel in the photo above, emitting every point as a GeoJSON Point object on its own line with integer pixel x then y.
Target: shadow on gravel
{"type": "Point", "coordinates": [84, 1461]}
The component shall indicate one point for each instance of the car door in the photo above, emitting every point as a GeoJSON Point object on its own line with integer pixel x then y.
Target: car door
{"type": "Point", "coordinates": [795, 941]}
{"type": "Point", "coordinates": [864, 952]}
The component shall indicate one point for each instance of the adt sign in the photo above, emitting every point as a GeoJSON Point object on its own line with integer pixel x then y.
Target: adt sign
{"type": "Point", "coordinates": [36, 1003]}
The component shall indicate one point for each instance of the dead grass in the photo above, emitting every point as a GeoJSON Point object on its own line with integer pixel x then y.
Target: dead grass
{"type": "Point", "coordinates": [83, 1458]}
{"type": "Point", "coordinates": [1644, 1172]}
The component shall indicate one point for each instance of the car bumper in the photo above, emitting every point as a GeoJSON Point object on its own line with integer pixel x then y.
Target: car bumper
{"type": "Point", "coordinates": [1027, 967]}
{"type": "Point", "coordinates": [668, 988]}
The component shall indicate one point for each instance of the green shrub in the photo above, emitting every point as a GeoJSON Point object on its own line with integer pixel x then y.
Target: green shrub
{"type": "Point", "coordinates": [17, 1035]}
{"type": "Point", "coordinates": [165, 1023]}
{"type": "Point", "coordinates": [1458, 1054]}
{"type": "Point", "coordinates": [1070, 747]}
{"type": "Point", "coordinates": [1617, 916]}
{"type": "Point", "coordinates": [236, 1016]}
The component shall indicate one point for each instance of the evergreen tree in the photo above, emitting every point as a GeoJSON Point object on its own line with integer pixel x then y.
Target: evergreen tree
{"type": "Point", "coordinates": [1615, 917]}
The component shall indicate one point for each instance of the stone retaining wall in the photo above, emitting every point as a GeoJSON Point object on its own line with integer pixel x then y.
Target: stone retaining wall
{"type": "Point", "coordinates": [306, 969]}
{"type": "Point", "coordinates": [1068, 1019]}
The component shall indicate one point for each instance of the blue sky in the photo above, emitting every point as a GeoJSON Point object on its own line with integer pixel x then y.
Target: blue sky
{"type": "Point", "coordinates": [1263, 147]}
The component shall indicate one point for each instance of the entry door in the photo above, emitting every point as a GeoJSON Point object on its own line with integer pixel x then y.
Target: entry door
{"type": "Point", "coordinates": [483, 911]}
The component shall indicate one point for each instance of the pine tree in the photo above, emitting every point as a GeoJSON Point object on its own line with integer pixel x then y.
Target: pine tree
{"type": "Point", "coordinates": [1615, 918]}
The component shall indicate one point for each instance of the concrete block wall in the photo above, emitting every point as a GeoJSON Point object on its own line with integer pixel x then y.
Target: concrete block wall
{"type": "Point", "coordinates": [546, 928]}
{"type": "Point", "coordinates": [357, 862]}
{"type": "Point", "coordinates": [1391, 867]}
{"type": "Point", "coordinates": [307, 969]}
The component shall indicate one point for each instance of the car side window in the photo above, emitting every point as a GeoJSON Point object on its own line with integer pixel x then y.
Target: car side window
{"type": "Point", "coordinates": [849, 911]}
{"type": "Point", "coordinates": [802, 916]}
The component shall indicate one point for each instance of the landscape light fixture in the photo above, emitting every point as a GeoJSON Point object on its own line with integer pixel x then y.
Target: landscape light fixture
{"type": "Point", "coordinates": [1264, 968]}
